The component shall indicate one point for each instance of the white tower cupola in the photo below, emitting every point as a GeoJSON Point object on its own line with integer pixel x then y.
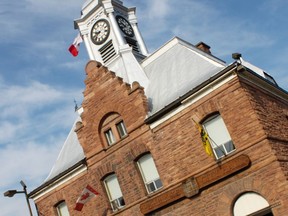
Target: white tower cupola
{"type": "Point", "coordinates": [112, 37]}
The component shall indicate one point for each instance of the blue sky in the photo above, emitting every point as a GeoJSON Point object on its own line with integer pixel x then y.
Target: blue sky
{"type": "Point", "coordinates": [39, 79]}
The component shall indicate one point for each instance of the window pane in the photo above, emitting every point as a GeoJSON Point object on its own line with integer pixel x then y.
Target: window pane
{"type": "Point", "coordinates": [151, 187]}
{"type": "Point", "coordinates": [149, 173]}
{"type": "Point", "coordinates": [121, 129]}
{"type": "Point", "coordinates": [110, 137]}
{"type": "Point", "coordinates": [250, 203]}
{"type": "Point", "coordinates": [148, 168]}
{"type": "Point", "coordinates": [219, 136]}
{"type": "Point", "coordinates": [113, 187]}
{"type": "Point", "coordinates": [219, 151]}
{"type": "Point", "coordinates": [229, 146]}
{"type": "Point", "coordinates": [217, 131]}
{"type": "Point", "coordinates": [62, 209]}
{"type": "Point", "coordinates": [117, 203]}
{"type": "Point", "coordinates": [158, 183]}
{"type": "Point", "coordinates": [121, 201]}
{"type": "Point", "coordinates": [114, 192]}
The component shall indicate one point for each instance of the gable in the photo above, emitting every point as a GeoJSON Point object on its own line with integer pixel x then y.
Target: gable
{"type": "Point", "coordinates": [106, 93]}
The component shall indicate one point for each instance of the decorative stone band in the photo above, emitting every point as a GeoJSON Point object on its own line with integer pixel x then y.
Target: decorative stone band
{"type": "Point", "coordinates": [223, 170]}
{"type": "Point", "coordinates": [191, 186]}
{"type": "Point", "coordinates": [162, 200]}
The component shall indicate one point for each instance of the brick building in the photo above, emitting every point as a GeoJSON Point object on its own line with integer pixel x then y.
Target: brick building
{"type": "Point", "coordinates": [176, 132]}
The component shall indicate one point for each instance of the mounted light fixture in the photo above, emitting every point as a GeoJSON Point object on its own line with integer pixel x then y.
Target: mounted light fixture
{"type": "Point", "coordinates": [11, 193]}
{"type": "Point", "coordinates": [236, 56]}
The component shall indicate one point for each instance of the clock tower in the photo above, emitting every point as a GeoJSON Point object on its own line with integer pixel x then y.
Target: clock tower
{"type": "Point", "coordinates": [111, 36]}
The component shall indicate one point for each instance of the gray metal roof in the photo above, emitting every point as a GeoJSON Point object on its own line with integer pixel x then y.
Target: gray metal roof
{"type": "Point", "coordinates": [174, 69]}
{"type": "Point", "coordinates": [70, 154]}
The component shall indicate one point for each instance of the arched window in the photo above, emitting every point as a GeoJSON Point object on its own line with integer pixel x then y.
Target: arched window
{"type": "Point", "coordinates": [62, 209]}
{"type": "Point", "coordinates": [149, 173]}
{"type": "Point", "coordinates": [113, 128]}
{"type": "Point", "coordinates": [219, 136]}
{"type": "Point", "coordinates": [114, 192]}
{"type": "Point", "coordinates": [251, 203]}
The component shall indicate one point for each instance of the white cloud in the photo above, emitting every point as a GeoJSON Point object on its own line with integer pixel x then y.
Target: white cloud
{"type": "Point", "coordinates": [29, 162]}
{"type": "Point", "coordinates": [19, 100]}
{"type": "Point", "coordinates": [35, 107]}
{"type": "Point", "coordinates": [197, 21]}
{"type": "Point", "coordinates": [77, 64]}
{"type": "Point", "coordinates": [34, 121]}
{"type": "Point", "coordinates": [158, 9]}
{"type": "Point", "coordinates": [31, 20]}
{"type": "Point", "coordinates": [54, 7]}
{"type": "Point", "coordinates": [8, 131]}
{"type": "Point", "coordinates": [16, 205]}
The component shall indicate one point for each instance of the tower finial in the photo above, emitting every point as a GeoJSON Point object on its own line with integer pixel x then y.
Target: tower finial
{"type": "Point", "coordinates": [76, 106]}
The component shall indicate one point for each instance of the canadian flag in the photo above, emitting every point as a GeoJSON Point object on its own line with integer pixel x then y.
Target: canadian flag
{"type": "Point", "coordinates": [86, 195]}
{"type": "Point", "coordinates": [74, 48]}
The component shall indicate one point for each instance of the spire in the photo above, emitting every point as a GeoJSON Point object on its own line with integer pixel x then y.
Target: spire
{"type": "Point", "coordinates": [76, 106]}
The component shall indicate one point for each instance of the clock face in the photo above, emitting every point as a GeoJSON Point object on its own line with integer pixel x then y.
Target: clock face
{"type": "Point", "coordinates": [100, 32]}
{"type": "Point", "coordinates": [125, 26]}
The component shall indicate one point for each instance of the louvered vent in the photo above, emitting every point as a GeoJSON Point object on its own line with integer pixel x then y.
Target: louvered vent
{"type": "Point", "coordinates": [132, 43]}
{"type": "Point", "coordinates": [107, 51]}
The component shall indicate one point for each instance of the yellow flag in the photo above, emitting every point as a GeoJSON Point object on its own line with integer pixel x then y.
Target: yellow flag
{"type": "Point", "coordinates": [205, 139]}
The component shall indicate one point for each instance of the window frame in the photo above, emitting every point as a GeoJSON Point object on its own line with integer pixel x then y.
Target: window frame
{"type": "Point", "coordinates": [60, 205]}
{"type": "Point", "coordinates": [121, 129]}
{"type": "Point", "coordinates": [148, 183]}
{"type": "Point", "coordinates": [251, 203]}
{"type": "Point", "coordinates": [112, 129]}
{"type": "Point", "coordinates": [109, 136]}
{"type": "Point", "coordinates": [223, 149]}
{"type": "Point", "coordinates": [116, 203]}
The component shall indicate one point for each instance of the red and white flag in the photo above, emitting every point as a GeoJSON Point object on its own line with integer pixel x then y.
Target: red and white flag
{"type": "Point", "coordinates": [74, 48]}
{"type": "Point", "coordinates": [86, 195]}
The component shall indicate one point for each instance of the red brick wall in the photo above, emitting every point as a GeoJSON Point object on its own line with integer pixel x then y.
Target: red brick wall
{"type": "Point", "coordinates": [272, 112]}
{"type": "Point", "coordinates": [176, 148]}
{"type": "Point", "coordinates": [107, 93]}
